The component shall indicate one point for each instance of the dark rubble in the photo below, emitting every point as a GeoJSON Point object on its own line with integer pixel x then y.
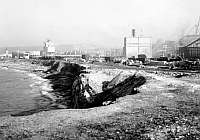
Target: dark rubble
{"type": "Point", "coordinates": [62, 76]}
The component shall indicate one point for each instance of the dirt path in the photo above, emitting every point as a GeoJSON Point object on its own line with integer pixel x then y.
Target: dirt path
{"type": "Point", "coordinates": [165, 108]}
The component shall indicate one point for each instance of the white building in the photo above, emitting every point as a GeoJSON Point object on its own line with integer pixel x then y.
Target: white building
{"type": "Point", "coordinates": [134, 46]}
{"type": "Point", "coordinates": [8, 54]}
{"type": "Point", "coordinates": [49, 49]}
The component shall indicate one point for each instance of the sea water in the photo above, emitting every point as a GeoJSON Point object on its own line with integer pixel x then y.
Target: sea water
{"type": "Point", "coordinates": [19, 91]}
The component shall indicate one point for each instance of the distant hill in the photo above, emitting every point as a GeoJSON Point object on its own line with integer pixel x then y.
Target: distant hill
{"type": "Point", "coordinates": [62, 47]}
{"type": "Point", "coordinates": [29, 48]}
{"type": "Point", "coordinates": [79, 46]}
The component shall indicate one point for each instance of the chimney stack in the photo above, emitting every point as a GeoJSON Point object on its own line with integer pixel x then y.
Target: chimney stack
{"type": "Point", "coordinates": [133, 32]}
{"type": "Point", "coordinates": [124, 41]}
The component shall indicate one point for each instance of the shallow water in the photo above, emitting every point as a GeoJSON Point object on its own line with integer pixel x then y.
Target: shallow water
{"type": "Point", "coordinates": [19, 91]}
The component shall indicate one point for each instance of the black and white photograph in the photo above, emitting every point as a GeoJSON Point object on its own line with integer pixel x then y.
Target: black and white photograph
{"type": "Point", "coordinates": [99, 70]}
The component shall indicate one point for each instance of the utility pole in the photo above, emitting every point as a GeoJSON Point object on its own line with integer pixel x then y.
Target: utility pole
{"type": "Point", "coordinates": [164, 50]}
{"type": "Point", "coordinates": [138, 46]}
{"type": "Point", "coordinates": [18, 53]}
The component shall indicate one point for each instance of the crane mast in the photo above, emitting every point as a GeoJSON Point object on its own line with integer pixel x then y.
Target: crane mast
{"type": "Point", "coordinates": [197, 27]}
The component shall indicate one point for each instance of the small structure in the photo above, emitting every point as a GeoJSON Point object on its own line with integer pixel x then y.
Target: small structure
{"type": "Point", "coordinates": [35, 54]}
{"type": "Point", "coordinates": [26, 55]}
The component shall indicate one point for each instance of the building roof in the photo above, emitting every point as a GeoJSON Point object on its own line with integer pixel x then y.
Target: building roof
{"type": "Point", "coordinates": [188, 40]}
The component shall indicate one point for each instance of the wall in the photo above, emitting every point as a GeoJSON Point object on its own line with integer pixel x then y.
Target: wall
{"type": "Point", "coordinates": [189, 52]}
{"type": "Point", "coordinates": [138, 45]}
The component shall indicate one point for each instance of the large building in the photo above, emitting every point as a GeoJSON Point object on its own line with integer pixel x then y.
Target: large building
{"type": "Point", "coordinates": [190, 47]}
{"type": "Point", "coordinates": [134, 46]}
{"type": "Point", "coordinates": [49, 49]}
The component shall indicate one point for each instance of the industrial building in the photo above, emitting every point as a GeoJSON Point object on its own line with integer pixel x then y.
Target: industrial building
{"type": "Point", "coordinates": [134, 46]}
{"type": "Point", "coordinates": [190, 44]}
{"type": "Point", "coordinates": [49, 49]}
{"type": "Point", "coordinates": [189, 47]}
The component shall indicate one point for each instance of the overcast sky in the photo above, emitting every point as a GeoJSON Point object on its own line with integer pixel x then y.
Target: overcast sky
{"type": "Point", "coordinates": [100, 22]}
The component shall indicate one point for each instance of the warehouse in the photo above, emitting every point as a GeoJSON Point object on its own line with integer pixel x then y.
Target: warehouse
{"type": "Point", "coordinates": [191, 47]}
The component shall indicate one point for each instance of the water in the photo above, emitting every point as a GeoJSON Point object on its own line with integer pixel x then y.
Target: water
{"type": "Point", "coordinates": [19, 91]}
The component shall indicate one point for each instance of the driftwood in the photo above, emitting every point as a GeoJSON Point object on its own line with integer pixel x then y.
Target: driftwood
{"type": "Point", "coordinates": [126, 87]}
{"type": "Point", "coordinates": [116, 80]}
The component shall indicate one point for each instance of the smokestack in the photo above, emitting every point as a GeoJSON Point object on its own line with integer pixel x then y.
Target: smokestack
{"type": "Point", "coordinates": [133, 32]}
{"type": "Point", "coordinates": [124, 41]}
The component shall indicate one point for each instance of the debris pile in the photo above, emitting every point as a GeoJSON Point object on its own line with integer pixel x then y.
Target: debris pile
{"type": "Point", "coordinates": [113, 90]}
{"type": "Point", "coordinates": [67, 83]}
{"type": "Point", "coordinates": [62, 77]}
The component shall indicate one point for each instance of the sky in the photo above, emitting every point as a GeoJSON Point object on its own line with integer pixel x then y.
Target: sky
{"type": "Point", "coordinates": [99, 22]}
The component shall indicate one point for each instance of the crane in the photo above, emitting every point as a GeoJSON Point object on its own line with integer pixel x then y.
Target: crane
{"type": "Point", "coordinates": [197, 27]}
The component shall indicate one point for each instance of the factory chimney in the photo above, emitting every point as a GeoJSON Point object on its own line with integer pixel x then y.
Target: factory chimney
{"type": "Point", "coordinates": [124, 41]}
{"type": "Point", "coordinates": [133, 32]}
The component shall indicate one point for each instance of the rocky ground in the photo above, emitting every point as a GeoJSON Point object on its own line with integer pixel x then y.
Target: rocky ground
{"type": "Point", "coordinates": [165, 108]}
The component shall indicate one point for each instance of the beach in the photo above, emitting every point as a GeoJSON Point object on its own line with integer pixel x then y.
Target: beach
{"type": "Point", "coordinates": [22, 87]}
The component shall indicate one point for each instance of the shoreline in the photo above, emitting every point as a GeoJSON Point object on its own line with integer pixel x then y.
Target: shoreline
{"type": "Point", "coordinates": [96, 76]}
{"type": "Point", "coordinates": [38, 83]}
